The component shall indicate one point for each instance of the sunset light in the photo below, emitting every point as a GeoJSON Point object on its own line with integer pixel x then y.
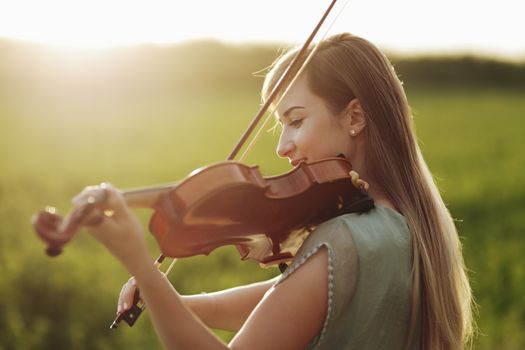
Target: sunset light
{"type": "Point", "coordinates": [407, 26]}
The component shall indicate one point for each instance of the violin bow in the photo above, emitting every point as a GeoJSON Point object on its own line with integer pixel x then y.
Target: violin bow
{"type": "Point", "coordinates": [285, 82]}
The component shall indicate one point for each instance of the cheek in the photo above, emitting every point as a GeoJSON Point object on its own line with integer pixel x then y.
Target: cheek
{"type": "Point", "coordinates": [307, 137]}
{"type": "Point", "coordinates": [315, 142]}
{"type": "Point", "coordinates": [335, 141]}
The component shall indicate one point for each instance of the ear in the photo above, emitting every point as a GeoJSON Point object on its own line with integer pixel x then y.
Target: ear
{"type": "Point", "coordinates": [355, 120]}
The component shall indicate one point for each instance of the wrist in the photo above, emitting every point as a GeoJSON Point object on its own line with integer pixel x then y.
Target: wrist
{"type": "Point", "coordinates": [140, 264]}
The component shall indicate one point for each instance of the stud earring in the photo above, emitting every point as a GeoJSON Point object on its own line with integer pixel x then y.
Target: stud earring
{"type": "Point", "coordinates": [353, 132]}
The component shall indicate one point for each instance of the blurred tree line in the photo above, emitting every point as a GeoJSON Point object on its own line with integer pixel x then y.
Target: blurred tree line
{"type": "Point", "coordinates": [207, 65]}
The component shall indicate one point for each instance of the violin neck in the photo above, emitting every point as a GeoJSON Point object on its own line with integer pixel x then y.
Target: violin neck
{"type": "Point", "coordinates": [146, 197]}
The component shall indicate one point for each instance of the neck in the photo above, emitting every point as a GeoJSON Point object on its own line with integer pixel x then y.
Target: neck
{"type": "Point", "coordinates": [380, 197]}
{"type": "Point", "coordinates": [375, 190]}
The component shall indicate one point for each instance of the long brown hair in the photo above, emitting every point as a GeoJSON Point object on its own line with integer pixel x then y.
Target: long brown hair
{"type": "Point", "coordinates": [346, 66]}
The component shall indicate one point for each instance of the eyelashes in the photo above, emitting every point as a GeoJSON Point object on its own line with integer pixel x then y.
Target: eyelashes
{"type": "Point", "coordinates": [296, 123]}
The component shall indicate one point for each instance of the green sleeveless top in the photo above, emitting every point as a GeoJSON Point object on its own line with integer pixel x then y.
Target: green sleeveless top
{"type": "Point", "coordinates": [370, 286]}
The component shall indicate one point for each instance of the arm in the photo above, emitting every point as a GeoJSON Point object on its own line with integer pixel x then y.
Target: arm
{"type": "Point", "coordinates": [289, 315]}
{"type": "Point", "coordinates": [292, 313]}
{"type": "Point", "coordinates": [228, 309]}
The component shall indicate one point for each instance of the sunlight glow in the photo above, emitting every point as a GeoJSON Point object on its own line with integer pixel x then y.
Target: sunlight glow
{"type": "Point", "coordinates": [93, 24]}
{"type": "Point", "coordinates": [405, 25]}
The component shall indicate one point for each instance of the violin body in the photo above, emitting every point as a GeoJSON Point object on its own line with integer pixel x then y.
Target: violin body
{"type": "Point", "coordinates": [231, 203]}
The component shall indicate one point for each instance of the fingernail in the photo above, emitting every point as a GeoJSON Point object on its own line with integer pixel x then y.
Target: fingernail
{"type": "Point", "coordinates": [119, 309]}
{"type": "Point", "coordinates": [125, 306]}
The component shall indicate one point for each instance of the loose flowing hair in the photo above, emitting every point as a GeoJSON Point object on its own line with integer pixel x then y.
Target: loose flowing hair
{"type": "Point", "coordinates": [344, 67]}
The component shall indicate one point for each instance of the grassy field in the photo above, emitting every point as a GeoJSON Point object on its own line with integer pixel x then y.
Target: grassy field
{"type": "Point", "coordinates": [55, 142]}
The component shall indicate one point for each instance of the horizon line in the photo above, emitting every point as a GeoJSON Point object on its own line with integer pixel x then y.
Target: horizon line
{"type": "Point", "coordinates": [427, 52]}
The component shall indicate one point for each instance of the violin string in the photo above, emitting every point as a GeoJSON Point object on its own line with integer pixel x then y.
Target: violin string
{"type": "Point", "coordinates": [273, 108]}
{"type": "Point", "coordinates": [170, 267]}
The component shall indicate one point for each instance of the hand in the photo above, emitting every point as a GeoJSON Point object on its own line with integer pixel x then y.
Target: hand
{"type": "Point", "coordinates": [127, 294]}
{"type": "Point", "coordinates": [125, 299]}
{"type": "Point", "coordinates": [113, 224]}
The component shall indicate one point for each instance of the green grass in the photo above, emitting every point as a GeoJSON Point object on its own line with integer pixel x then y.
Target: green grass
{"type": "Point", "coordinates": [51, 147]}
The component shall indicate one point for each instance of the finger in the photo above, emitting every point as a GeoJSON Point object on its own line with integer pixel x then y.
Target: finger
{"type": "Point", "coordinates": [121, 298]}
{"type": "Point", "coordinates": [126, 295]}
{"type": "Point", "coordinates": [84, 194]}
{"type": "Point", "coordinates": [81, 216]}
{"type": "Point", "coordinates": [108, 211]}
{"type": "Point", "coordinates": [88, 208]}
{"type": "Point", "coordinates": [105, 197]}
{"type": "Point", "coordinates": [114, 201]}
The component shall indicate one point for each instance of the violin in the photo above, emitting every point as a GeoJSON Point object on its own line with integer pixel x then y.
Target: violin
{"type": "Point", "coordinates": [230, 203]}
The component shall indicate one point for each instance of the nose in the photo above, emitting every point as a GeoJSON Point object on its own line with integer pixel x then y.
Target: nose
{"type": "Point", "coordinates": [286, 146]}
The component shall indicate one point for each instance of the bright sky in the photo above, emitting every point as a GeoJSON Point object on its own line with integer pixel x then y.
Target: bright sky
{"type": "Point", "coordinates": [489, 27]}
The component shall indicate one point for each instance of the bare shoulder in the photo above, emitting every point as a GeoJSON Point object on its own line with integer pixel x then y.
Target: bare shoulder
{"type": "Point", "coordinates": [292, 313]}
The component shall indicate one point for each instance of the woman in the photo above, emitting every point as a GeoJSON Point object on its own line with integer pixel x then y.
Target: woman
{"type": "Point", "coordinates": [391, 278]}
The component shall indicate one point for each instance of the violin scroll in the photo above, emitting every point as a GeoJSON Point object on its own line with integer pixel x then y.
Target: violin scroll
{"type": "Point", "coordinates": [57, 232]}
{"type": "Point", "coordinates": [47, 224]}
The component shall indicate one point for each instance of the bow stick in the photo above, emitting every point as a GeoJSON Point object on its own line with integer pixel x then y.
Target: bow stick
{"type": "Point", "coordinates": [284, 83]}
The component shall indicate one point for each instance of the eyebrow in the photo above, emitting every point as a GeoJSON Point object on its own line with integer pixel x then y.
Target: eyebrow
{"type": "Point", "coordinates": [286, 113]}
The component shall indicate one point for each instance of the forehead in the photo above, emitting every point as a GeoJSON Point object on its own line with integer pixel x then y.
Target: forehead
{"type": "Point", "coordinates": [299, 94]}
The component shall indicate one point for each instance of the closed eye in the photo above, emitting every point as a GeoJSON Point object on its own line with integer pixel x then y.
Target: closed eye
{"type": "Point", "coordinates": [296, 123]}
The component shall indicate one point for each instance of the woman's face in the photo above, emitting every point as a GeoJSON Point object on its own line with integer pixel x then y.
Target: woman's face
{"type": "Point", "coordinates": [309, 130]}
